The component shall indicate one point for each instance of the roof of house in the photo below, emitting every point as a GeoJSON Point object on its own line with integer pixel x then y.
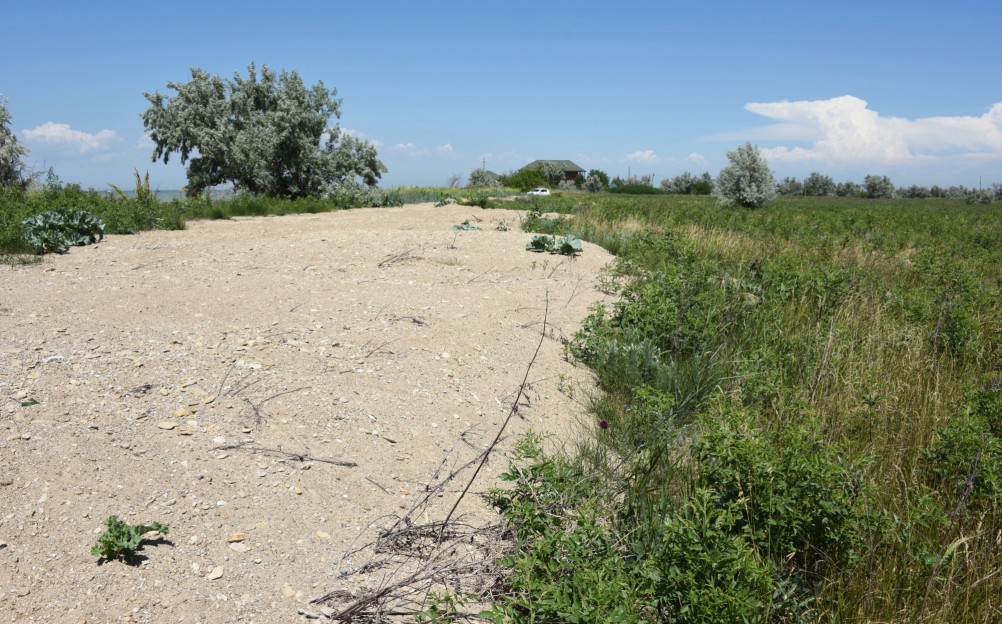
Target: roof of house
{"type": "Point", "coordinates": [565, 165]}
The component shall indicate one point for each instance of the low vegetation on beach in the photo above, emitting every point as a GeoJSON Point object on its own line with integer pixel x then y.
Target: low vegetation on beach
{"type": "Point", "coordinates": [800, 419]}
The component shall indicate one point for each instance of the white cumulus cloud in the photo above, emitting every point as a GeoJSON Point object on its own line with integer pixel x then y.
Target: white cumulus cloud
{"type": "Point", "coordinates": [64, 135]}
{"type": "Point", "coordinates": [646, 157]}
{"type": "Point", "coordinates": [355, 134]}
{"type": "Point", "coordinates": [696, 157]}
{"type": "Point", "coordinates": [408, 149]}
{"type": "Point", "coordinates": [845, 130]}
{"type": "Point", "coordinates": [444, 149]}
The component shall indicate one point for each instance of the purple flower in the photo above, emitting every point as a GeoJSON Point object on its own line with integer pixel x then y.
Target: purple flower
{"type": "Point", "coordinates": [603, 424]}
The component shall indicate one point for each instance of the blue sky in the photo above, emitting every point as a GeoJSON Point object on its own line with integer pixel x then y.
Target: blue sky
{"type": "Point", "coordinates": [905, 89]}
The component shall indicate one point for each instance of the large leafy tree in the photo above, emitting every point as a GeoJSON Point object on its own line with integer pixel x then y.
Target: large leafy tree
{"type": "Point", "coordinates": [747, 181]}
{"type": "Point", "coordinates": [266, 134]}
{"type": "Point", "coordinates": [12, 169]}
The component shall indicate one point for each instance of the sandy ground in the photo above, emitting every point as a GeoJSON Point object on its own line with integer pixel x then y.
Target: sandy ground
{"type": "Point", "coordinates": [291, 380]}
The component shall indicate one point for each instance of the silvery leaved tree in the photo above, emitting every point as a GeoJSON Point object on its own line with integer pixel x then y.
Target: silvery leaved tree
{"type": "Point", "coordinates": [480, 178]}
{"type": "Point", "coordinates": [878, 187]}
{"type": "Point", "coordinates": [819, 185]}
{"type": "Point", "coordinates": [747, 181]}
{"type": "Point", "coordinates": [552, 171]}
{"type": "Point", "coordinates": [12, 170]}
{"type": "Point", "coordinates": [265, 133]}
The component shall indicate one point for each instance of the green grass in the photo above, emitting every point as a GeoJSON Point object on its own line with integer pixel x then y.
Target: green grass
{"type": "Point", "coordinates": [812, 393]}
{"type": "Point", "coordinates": [123, 213]}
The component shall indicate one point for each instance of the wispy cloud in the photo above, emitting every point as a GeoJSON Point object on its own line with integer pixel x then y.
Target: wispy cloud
{"type": "Point", "coordinates": [844, 130]}
{"type": "Point", "coordinates": [144, 142]}
{"type": "Point", "coordinates": [76, 140]}
{"type": "Point", "coordinates": [359, 135]}
{"type": "Point", "coordinates": [408, 149]}
{"type": "Point", "coordinates": [645, 157]}
{"type": "Point", "coordinates": [445, 149]}
{"type": "Point", "coordinates": [696, 158]}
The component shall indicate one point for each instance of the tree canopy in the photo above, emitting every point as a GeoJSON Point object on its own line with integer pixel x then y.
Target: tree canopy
{"type": "Point", "coordinates": [12, 168]}
{"type": "Point", "coordinates": [747, 181]}
{"type": "Point", "coordinates": [266, 134]}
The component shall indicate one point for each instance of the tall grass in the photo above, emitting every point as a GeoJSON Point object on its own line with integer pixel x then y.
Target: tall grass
{"type": "Point", "coordinates": [125, 212]}
{"type": "Point", "coordinates": [813, 392]}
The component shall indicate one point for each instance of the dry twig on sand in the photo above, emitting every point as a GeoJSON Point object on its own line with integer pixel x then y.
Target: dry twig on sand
{"type": "Point", "coordinates": [418, 558]}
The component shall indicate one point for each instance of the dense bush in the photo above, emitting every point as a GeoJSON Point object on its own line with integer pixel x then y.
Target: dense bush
{"type": "Point", "coordinates": [790, 186]}
{"type": "Point", "coordinates": [480, 178]}
{"type": "Point", "coordinates": [848, 189]}
{"type": "Point", "coordinates": [597, 181]}
{"type": "Point", "coordinates": [689, 184]}
{"type": "Point", "coordinates": [878, 187]}
{"type": "Point", "coordinates": [525, 179]}
{"type": "Point", "coordinates": [634, 189]}
{"type": "Point", "coordinates": [747, 181]}
{"type": "Point", "coordinates": [819, 185]}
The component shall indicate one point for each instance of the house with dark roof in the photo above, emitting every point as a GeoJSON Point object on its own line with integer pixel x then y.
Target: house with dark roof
{"type": "Point", "coordinates": [569, 169]}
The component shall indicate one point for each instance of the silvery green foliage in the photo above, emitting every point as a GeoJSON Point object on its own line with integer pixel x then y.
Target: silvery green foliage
{"type": "Point", "coordinates": [552, 171]}
{"type": "Point", "coordinates": [848, 189]}
{"type": "Point", "coordinates": [681, 184]}
{"type": "Point", "coordinates": [747, 181]}
{"type": "Point", "coordinates": [266, 134]}
{"type": "Point", "coordinates": [984, 197]}
{"type": "Point", "coordinates": [689, 184]}
{"type": "Point", "coordinates": [479, 178]}
{"type": "Point", "coordinates": [790, 186]}
{"type": "Point", "coordinates": [878, 187]}
{"type": "Point", "coordinates": [12, 170]}
{"type": "Point", "coordinates": [567, 185]}
{"type": "Point", "coordinates": [915, 192]}
{"type": "Point", "coordinates": [598, 179]}
{"type": "Point", "coordinates": [593, 184]}
{"type": "Point", "coordinates": [819, 185]}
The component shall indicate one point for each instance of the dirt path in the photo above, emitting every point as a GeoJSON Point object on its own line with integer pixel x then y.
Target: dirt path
{"type": "Point", "coordinates": [224, 379]}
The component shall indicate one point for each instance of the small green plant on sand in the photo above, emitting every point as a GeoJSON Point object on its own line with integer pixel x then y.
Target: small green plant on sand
{"type": "Point", "coordinates": [443, 607]}
{"type": "Point", "coordinates": [565, 245]}
{"type": "Point", "coordinates": [465, 226]}
{"type": "Point", "coordinates": [120, 540]}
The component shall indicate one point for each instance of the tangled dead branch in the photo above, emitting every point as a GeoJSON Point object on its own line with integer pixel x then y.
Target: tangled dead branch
{"type": "Point", "coordinates": [417, 559]}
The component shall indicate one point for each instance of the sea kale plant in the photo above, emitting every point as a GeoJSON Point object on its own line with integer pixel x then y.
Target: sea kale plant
{"type": "Point", "coordinates": [58, 230]}
{"type": "Point", "coordinates": [121, 540]}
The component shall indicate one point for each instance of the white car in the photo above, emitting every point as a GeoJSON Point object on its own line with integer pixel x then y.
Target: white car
{"type": "Point", "coordinates": [539, 191]}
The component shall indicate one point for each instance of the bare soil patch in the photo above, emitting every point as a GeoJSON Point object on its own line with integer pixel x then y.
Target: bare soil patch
{"type": "Point", "coordinates": [272, 389]}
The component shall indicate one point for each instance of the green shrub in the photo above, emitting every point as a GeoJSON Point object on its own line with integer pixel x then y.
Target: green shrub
{"type": "Point", "coordinates": [965, 458]}
{"type": "Point", "coordinates": [120, 540]}
{"type": "Point", "coordinates": [703, 573]}
{"type": "Point", "coordinates": [525, 179]}
{"type": "Point", "coordinates": [536, 223]}
{"type": "Point", "coordinates": [798, 497]}
{"type": "Point", "coordinates": [747, 181]}
{"type": "Point", "coordinates": [58, 230]}
{"type": "Point", "coordinates": [565, 564]}
{"type": "Point", "coordinates": [635, 189]}
{"type": "Point", "coordinates": [465, 226]}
